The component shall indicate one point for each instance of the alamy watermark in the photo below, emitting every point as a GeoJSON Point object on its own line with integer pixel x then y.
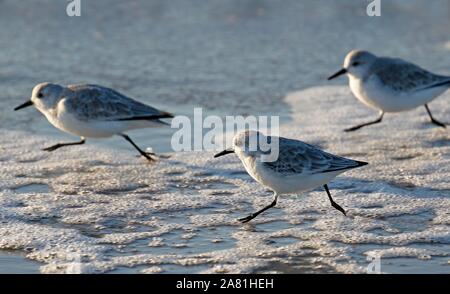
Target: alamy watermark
{"type": "Point", "coordinates": [73, 8]}
{"type": "Point", "coordinates": [374, 266]}
{"type": "Point", "coordinates": [212, 133]}
{"type": "Point", "coordinates": [374, 8]}
{"type": "Point", "coordinates": [74, 266]}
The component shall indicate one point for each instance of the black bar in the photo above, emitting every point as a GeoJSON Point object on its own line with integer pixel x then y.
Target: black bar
{"type": "Point", "coordinates": [224, 283]}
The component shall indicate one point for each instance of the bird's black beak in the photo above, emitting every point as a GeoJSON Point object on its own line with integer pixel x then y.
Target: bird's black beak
{"type": "Point", "coordinates": [339, 73]}
{"type": "Point", "coordinates": [224, 152]}
{"type": "Point", "coordinates": [26, 104]}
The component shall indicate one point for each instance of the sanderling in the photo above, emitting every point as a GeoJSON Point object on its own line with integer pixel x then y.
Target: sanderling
{"type": "Point", "coordinates": [300, 167]}
{"type": "Point", "coordinates": [92, 111]}
{"type": "Point", "coordinates": [391, 85]}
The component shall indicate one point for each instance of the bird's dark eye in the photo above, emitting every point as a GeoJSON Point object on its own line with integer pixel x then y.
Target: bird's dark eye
{"type": "Point", "coordinates": [356, 63]}
{"type": "Point", "coordinates": [39, 95]}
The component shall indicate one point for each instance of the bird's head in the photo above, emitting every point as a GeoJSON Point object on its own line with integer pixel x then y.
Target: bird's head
{"type": "Point", "coordinates": [44, 96]}
{"type": "Point", "coordinates": [357, 63]}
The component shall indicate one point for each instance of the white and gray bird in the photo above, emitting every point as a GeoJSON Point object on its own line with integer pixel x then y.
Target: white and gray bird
{"type": "Point", "coordinates": [391, 84]}
{"type": "Point", "coordinates": [92, 111]}
{"type": "Point", "coordinates": [299, 166]}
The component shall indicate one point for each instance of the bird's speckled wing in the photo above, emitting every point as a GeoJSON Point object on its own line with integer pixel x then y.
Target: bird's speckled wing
{"type": "Point", "coordinates": [92, 102]}
{"type": "Point", "coordinates": [403, 76]}
{"type": "Point", "coordinates": [296, 157]}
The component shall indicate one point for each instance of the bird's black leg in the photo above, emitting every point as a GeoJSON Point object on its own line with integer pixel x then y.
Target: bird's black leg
{"type": "Point", "coordinates": [253, 215]}
{"type": "Point", "coordinates": [433, 120]}
{"type": "Point", "coordinates": [334, 204]}
{"type": "Point", "coordinates": [59, 145]}
{"type": "Point", "coordinates": [366, 124]}
{"type": "Point", "coordinates": [143, 153]}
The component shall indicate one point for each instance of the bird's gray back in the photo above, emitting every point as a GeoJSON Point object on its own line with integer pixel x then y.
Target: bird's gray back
{"type": "Point", "coordinates": [296, 157]}
{"type": "Point", "coordinates": [93, 102]}
{"type": "Point", "coordinates": [403, 76]}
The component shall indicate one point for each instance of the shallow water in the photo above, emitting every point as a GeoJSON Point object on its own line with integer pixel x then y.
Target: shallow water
{"type": "Point", "coordinates": [16, 263]}
{"type": "Point", "coordinates": [229, 57]}
{"type": "Point", "coordinates": [108, 211]}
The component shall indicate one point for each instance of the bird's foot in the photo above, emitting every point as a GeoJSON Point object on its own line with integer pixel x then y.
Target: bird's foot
{"type": "Point", "coordinates": [352, 129]}
{"type": "Point", "coordinates": [51, 148]}
{"type": "Point", "coordinates": [148, 156]}
{"type": "Point", "coordinates": [246, 219]}
{"type": "Point", "coordinates": [338, 207]}
{"type": "Point", "coordinates": [438, 123]}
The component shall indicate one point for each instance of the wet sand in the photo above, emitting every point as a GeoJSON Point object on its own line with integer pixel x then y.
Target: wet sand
{"type": "Point", "coordinates": [118, 214]}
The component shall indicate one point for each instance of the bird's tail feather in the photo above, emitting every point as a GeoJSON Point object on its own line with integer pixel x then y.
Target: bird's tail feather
{"type": "Point", "coordinates": [440, 84]}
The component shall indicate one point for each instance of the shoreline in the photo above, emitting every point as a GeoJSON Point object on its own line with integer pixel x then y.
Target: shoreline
{"type": "Point", "coordinates": [118, 211]}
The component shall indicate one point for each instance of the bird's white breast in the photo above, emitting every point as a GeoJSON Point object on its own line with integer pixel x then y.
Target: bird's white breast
{"type": "Point", "coordinates": [284, 184]}
{"type": "Point", "coordinates": [373, 93]}
{"type": "Point", "coordinates": [68, 122]}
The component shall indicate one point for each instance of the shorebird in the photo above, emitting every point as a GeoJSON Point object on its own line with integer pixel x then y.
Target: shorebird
{"type": "Point", "coordinates": [92, 111]}
{"type": "Point", "coordinates": [299, 167]}
{"type": "Point", "coordinates": [390, 84]}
